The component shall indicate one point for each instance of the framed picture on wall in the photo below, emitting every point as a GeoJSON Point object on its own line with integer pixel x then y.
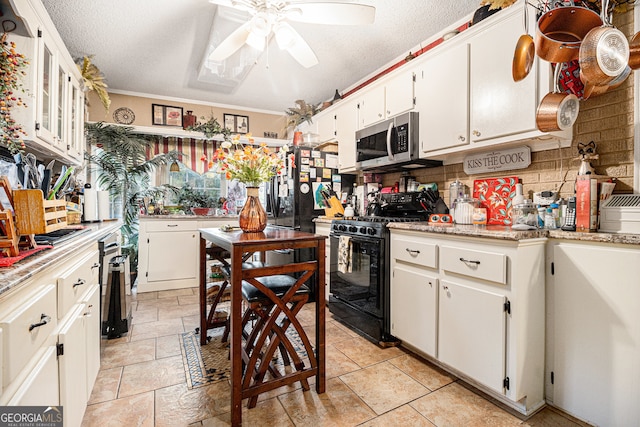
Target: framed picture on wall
{"type": "Point", "coordinates": [165, 115]}
{"type": "Point", "coordinates": [236, 123]}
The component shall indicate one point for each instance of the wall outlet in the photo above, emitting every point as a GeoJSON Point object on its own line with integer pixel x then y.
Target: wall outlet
{"type": "Point", "coordinates": [545, 198]}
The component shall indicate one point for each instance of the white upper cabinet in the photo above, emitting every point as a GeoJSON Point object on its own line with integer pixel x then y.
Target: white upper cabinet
{"type": "Point", "coordinates": [500, 106]}
{"type": "Point", "coordinates": [54, 116]}
{"type": "Point", "coordinates": [442, 92]}
{"type": "Point", "coordinates": [371, 107]}
{"type": "Point", "coordinates": [392, 96]}
{"type": "Point", "coordinates": [346, 115]}
{"type": "Point", "coordinates": [399, 93]}
{"type": "Point", "coordinates": [326, 126]}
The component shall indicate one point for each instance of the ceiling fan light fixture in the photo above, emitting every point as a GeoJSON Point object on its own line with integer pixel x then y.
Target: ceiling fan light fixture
{"type": "Point", "coordinates": [284, 36]}
{"type": "Point", "coordinates": [256, 41]}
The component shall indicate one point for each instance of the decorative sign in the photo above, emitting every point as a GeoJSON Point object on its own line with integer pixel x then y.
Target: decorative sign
{"type": "Point", "coordinates": [498, 160]}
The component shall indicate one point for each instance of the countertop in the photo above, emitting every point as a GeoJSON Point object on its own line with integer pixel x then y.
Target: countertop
{"type": "Point", "coordinates": [12, 276]}
{"type": "Point", "coordinates": [189, 217]}
{"type": "Point", "coordinates": [506, 233]}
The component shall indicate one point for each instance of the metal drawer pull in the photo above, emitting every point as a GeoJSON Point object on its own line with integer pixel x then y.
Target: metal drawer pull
{"type": "Point", "coordinates": [95, 265]}
{"type": "Point", "coordinates": [413, 251]}
{"type": "Point", "coordinates": [80, 282]}
{"type": "Point", "coordinates": [88, 312]}
{"type": "Point", "coordinates": [44, 319]}
{"type": "Point", "coordinates": [172, 225]}
{"type": "Point", "coordinates": [469, 261]}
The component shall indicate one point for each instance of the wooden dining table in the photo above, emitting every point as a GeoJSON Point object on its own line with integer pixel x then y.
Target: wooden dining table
{"type": "Point", "coordinates": [239, 245]}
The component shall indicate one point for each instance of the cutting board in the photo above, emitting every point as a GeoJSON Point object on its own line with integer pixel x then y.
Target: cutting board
{"type": "Point", "coordinates": [495, 194]}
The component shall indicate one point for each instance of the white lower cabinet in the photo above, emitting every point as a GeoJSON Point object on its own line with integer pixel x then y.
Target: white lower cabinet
{"type": "Point", "coordinates": [593, 331]}
{"type": "Point", "coordinates": [414, 309]}
{"type": "Point", "coordinates": [50, 332]}
{"type": "Point", "coordinates": [474, 306]}
{"type": "Point", "coordinates": [472, 332]}
{"type": "Point", "coordinates": [40, 387]}
{"type": "Point", "coordinates": [168, 251]}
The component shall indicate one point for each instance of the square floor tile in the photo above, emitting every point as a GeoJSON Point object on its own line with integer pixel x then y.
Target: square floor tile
{"type": "Point", "coordinates": [422, 371]}
{"type": "Point", "coordinates": [137, 410]}
{"type": "Point", "coordinates": [147, 376]}
{"type": "Point", "coordinates": [179, 406]}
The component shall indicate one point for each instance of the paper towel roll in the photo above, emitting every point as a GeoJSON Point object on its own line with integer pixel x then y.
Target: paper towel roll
{"type": "Point", "coordinates": [90, 205]}
{"type": "Point", "coordinates": [104, 205]}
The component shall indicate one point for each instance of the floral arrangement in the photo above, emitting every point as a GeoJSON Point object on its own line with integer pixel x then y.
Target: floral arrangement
{"type": "Point", "coordinates": [303, 112]}
{"type": "Point", "coordinates": [249, 164]}
{"type": "Point", "coordinates": [12, 66]}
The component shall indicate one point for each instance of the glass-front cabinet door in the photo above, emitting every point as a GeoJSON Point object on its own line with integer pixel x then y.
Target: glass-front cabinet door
{"type": "Point", "coordinates": [62, 112]}
{"type": "Point", "coordinates": [75, 141]}
{"type": "Point", "coordinates": [45, 121]}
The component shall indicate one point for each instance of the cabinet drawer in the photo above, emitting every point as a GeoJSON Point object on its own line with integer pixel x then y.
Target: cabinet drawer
{"type": "Point", "coordinates": [415, 251]}
{"type": "Point", "coordinates": [152, 226]}
{"type": "Point", "coordinates": [490, 266]}
{"type": "Point", "coordinates": [76, 280]}
{"type": "Point", "coordinates": [25, 330]}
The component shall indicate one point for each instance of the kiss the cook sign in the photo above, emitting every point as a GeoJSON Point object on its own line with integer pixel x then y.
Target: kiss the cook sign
{"type": "Point", "coordinates": [498, 160]}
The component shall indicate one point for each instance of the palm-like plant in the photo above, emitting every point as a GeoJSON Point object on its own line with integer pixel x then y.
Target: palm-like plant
{"type": "Point", "coordinates": [122, 169]}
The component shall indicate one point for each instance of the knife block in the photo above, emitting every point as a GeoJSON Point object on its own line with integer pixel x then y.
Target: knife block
{"type": "Point", "coordinates": [335, 208]}
{"type": "Point", "coordinates": [35, 215]}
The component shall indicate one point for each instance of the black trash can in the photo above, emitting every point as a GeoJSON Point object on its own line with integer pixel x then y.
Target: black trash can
{"type": "Point", "coordinates": [116, 310]}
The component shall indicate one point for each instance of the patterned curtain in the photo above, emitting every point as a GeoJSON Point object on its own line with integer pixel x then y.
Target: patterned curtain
{"type": "Point", "coordinates": [196, 152]}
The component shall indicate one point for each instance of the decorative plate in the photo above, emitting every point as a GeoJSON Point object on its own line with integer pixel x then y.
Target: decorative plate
{"type": "Point", "coordinates": [124, 116]}
{"type": "Point", "coordinates": [495, 195]}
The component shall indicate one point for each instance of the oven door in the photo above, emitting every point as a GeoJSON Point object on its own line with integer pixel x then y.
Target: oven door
{"type": "Point", "coordinates": [362, 287]}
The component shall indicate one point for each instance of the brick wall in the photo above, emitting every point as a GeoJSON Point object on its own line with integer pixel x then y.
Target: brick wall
{"type": "Point", "coordinates": [605, 119]}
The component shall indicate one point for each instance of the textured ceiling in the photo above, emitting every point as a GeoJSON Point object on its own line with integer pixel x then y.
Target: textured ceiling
{"type": "Point", "coordinates": [156, 47]}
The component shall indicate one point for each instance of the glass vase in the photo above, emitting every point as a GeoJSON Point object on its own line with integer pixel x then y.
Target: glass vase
{"type": "Point", "coordinates": [253, 217]}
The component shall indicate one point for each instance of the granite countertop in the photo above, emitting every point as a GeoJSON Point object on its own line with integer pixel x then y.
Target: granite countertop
{"type": "Point", "coordinates": [506, 233]}
{"type": "Point", "coordinates": [13, 276]}
{"type": "Point", "coordinates": [188, 217]}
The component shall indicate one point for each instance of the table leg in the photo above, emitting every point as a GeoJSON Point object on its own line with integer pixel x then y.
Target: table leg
{"type": "Point", "coordinates": [320, 317]}
{"type": "Point", "coordinates": [236, 336]}
{"type": "Point", "coordinates": [203, 291]}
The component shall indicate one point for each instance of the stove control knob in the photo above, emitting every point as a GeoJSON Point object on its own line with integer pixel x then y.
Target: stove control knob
{"type": "Point", "coordinates": [371, 231]}
{"type": "Point", "coordinates": [342, 227]}
{"type": "Point", "coordinates": [363, 230]}
{"type": "Point", "coordinates": [353, 228]}
{"type": "Point", "coordinates": [335, 227]}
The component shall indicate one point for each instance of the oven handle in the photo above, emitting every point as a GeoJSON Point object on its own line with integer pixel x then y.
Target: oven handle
{"type": "Point", "coordinates": [357, 238]}
{"type": "Point", "coordinates": [389, 153]}
{"type": "Point", "coordinates": [111, 245]}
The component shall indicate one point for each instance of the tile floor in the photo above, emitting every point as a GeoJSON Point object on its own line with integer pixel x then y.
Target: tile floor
{"type": "Point", "coordinates": [142, 382]}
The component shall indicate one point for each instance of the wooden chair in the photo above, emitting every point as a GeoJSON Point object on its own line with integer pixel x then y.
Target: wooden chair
{"type": "Point", "coordinates": [274, 301]}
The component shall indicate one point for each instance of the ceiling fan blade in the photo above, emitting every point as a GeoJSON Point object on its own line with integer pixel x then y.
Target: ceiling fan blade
{"type": "Point", "coordinates": [299, 48]}
{"type": "Point", "coordinates": [331, 13]}
{"type": "Point", "coordinates": [231, 44]}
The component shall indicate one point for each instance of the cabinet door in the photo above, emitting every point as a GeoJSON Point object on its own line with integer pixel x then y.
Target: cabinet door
{"type": "Point", "coordinates": [472, 333]}
{"type": "Point", "coordinates": [40, 388]}
{"type": "Point", "coordinates": [72, 365]}
{"type": "Point", "coordinates": [92, 334]}
{"type": "Point", "coordinates": [595, 334]}
{"type": "Point", "coordinates": [442, 93]}
{"type": "Point", "coordinates": [399, 94]}
{"type": "Point", "coordinates": [326, 126]}
{"type": "Point", "coordinates": [372, 106]}
{"type": "Point", "coordinates": [172, 256]}
{"type": "Point", "coordinates": [75, 144]}
{"type": "Point", "coordinates": [47, 72]}
{"type": "Point", "coordinates": [413, 308]}
{"type": "Point", "coordinates": [346, 125]}
{"type": "Point", "coordinates": [500, 106]}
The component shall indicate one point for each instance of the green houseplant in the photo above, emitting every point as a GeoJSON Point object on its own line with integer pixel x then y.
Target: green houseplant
{"type": "Point", "coordinates": [121, 167]}
{"type": "Point", "coordinates": [196, 201]}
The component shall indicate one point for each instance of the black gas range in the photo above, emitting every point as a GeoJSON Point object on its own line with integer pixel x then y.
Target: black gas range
{"type": "Point", "coordinates": [360, 267]}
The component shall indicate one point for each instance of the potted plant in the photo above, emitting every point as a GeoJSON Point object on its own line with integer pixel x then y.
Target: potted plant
{"type": "Point", "coordinates": [122, 169]}
{"type": "Point", "coordinates": [210, 127]}
{"type": "Point", "coordinates": [303, 112]}
{"type": "Point", "coordinates": [197, 202]}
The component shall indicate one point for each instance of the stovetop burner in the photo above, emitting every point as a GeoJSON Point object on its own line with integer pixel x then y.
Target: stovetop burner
{"type": "Point", "coordinates": [390, 218]}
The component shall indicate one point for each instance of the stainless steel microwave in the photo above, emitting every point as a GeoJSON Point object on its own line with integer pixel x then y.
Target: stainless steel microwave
{"type": "Point", "coordinates": [391, 144]}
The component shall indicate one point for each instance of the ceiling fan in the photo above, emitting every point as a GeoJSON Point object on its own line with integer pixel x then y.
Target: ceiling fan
{"type": "Point", "coordinates": [270, 17]}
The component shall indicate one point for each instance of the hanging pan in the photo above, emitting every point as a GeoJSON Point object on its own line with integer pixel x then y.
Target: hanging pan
{"type": "Point", "coordinates": [604, 53]}
{"type": "Point", "coordinates": [560, 32]}
{"type": "Point", "coordinates": [634, 52]}
{"type": "Point", "coordinates": [557, 111]}
{"type": "Point", "coordinates": [525, 51]}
